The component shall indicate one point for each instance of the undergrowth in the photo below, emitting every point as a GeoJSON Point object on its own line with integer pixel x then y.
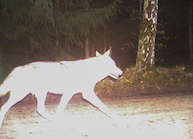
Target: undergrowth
{"type": "Point", "coordinates": [155, 78]}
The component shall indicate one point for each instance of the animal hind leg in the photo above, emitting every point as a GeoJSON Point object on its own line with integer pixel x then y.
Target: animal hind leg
{"type": "Point", "coordinates": [15, 96]}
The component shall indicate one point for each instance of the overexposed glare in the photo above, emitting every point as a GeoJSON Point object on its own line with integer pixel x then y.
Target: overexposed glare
{"type": "Point", "coordinates": [77, 127]}
{"type": "Point", "coordinates": [64, 77]}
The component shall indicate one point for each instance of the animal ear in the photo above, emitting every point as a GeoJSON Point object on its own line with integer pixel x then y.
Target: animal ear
{"type": "Point", "coordinates": [108, 53]}
{"type": "Point", "coordinates": [97, 53]}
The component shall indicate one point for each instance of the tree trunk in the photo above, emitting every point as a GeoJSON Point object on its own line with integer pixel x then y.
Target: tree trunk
{"type": "Point", "coordinates": [86, 48]}
{"type": "Point", "coordinates": [57, 38]}
{"type": "Point", "coordinates": [146, 45]}
{"type": "Point", "coordinates": [190, 31]}
{"type": "Point", "coordinates": [2, 73]}
{"type": "Point", "coordinates": [92, 50]}
{"type": "Point", "coordinates": [140, 8]}
{"type": "Point", "coordinates": [105, 44]}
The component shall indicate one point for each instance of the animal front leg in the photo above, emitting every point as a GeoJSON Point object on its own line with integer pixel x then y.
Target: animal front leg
{"type": "Point", "coordinates": [93, 99]}
{"type": "Point", "coordinates": [116, 119]}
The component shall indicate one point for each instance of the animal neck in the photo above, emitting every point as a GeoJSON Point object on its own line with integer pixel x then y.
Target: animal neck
{"type": "Point", "coordinates": [95, 69]}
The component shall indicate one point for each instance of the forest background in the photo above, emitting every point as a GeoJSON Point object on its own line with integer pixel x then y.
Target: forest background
{"type": "Point", "coordinates": [53, 30]}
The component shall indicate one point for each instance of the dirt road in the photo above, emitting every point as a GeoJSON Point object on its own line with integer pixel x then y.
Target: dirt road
{"type": "Point", "coordinates": [160, 117]}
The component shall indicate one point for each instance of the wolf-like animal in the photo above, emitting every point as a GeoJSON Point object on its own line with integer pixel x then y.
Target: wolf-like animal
{"type": "Point", "coordinates": [64, 77]}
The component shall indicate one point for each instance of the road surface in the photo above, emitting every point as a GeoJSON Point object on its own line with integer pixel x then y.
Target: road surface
{"type": "Point", "coordinates": [160, 117]}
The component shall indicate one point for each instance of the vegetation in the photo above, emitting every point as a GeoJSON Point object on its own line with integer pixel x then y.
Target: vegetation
{"type": "Point", "coordinates": [57, 23]}
{"type": "Point", "coordinates": [37, 30]}
{"type": "Point", "coordinates": [158, 78]}
{"type": "Point", "coordinates": [50, 29]}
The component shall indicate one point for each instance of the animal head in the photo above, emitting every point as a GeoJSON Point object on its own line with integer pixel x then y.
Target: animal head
{"type": "Point", "coordinates": [109, 65]}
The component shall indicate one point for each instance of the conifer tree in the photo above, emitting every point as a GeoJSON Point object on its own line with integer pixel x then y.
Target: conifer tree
{"type": "Point", "coordinates": [70, 21]}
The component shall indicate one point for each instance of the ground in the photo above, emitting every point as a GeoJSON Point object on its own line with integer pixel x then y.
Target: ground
{"type": "Point", "coordinates": [154, 116]}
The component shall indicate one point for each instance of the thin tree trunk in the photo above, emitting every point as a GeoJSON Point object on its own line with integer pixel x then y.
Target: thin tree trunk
{"type": "Point", "coordinates": [86, 48]}
{"type": "Point", "coordinates": [1, 66]}
{"type": "Point", "coordinates": [105, 40]}
{"type": "Point", "coordinates": [190, 31]}
{"type": "Point", "coordinates": [55, 6]}
{"type": "Point", "coordinates": [140, 8]}
{"type": "Point", "coordinates": [146, 45]}
{"type": "Point", "coordinates": [92, 51]}
{"type": "Point", "coordinates": [57, 38]}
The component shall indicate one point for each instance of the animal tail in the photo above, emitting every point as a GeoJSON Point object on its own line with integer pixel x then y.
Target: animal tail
{"type": "Point", "coordinates": [4, 88]}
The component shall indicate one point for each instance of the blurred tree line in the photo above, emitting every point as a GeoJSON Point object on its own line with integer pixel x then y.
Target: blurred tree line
{"type": "Point", "coordinates": [58, 23]}
{"type": "Point", "coordinates": [53, 29]}
{"type": "Point", "coordinates": [72, 29]}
